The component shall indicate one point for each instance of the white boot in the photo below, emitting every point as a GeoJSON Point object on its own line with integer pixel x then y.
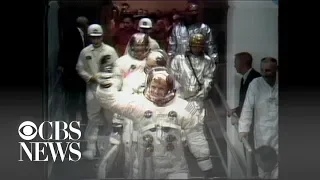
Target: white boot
{"type": "Point", "coordinates": [90, 153]}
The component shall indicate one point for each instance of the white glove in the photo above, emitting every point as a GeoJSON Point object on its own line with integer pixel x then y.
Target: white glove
{"type": "Point", "coordinates": [94, 78]}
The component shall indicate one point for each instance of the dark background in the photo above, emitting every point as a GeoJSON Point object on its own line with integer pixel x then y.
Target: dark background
{"type": "Point", "coordinates": [23, 72]}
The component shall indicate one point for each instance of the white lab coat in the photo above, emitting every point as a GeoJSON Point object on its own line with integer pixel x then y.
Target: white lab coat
{"type": "Point", "coordinates": [87, 66]}
{"type": "Point", "coordinates": [262, 101]}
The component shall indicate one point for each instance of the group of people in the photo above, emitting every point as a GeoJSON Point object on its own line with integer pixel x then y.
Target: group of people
{"type": "Point", "coordinates": [154, 97]}
{"type": "Point", "coordinates": [258, 111]}
{"type": "Point", "coordinates": [125, 23]}
{"type": "Point", "coordinates": [168, 27]}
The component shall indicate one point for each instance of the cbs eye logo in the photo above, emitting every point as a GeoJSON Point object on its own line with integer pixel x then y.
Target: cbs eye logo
{"type": "Point", "coordinates": [27, 130]}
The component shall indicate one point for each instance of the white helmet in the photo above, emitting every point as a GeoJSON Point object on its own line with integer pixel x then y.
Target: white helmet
{"type": "Point", "coordinates": [145, 23]}
{"type": "Point", "coordinates": [95, 30]}
{"type": "Point", "coordinates": [156, 58]}
{"type": "Point", "coordinates": [138, 40]}
{"type": "Point", "coordinates": [160, 76]}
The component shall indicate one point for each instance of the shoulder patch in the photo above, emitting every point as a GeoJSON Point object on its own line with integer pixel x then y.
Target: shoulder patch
{"type": "Point", "coordinates": [88, 57]}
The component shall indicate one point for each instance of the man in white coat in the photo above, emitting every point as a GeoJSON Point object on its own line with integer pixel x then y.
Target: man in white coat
{"type": "Point", "coordinates": [88, 68]}
{"type": "Point", "coordinates": [262, 102]}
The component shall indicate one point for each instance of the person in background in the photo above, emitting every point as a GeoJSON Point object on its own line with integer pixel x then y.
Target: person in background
{"type": "Point", "coordinates": [74, 41]}
{"type": "Point", "coordinates": [115, 21]}
{"type": "Point", "coordinates": [193, 72]}
{"type": "Point", "coordinates": [168, 23]}
{"type": "Point", "coordinates": [145, 26]}
{"type": "Point", "coordinates": [261, 106]}
{"type": "Point", "coordinates": [125, 9]}
{"type": "Point", "coordinates": [82, 25]}
{"type": "Point", "coordinates": [123, 35]}
{"type": "Point", "coordinates": [110, 25]}
{"type": "Point", "coordinates": [88, 67]}
{"type": "Point", "coordinates": [243, 65]}
{"type": "Point", "coordinates": [176, 19]}
{"type": "Point", "coordinates": [140, 12]}
{"type": "Point", "coordinates": [171, 21]}
{"type": "Point", "coordinates": [145, 12]}
{"type": "Point", "coordinates": [159, 14]}
{"type": "Point", "coordinates": [159, 34]}
{"type": "Point", "coordinates": [179, 39]}
{"type": "Point", "coordinates": [135, 58]}
{"type": "Point", "coordinates": [174, 11]}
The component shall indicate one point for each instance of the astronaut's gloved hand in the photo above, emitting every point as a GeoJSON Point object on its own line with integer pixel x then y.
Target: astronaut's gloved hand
{"type": "Point", "coordinates": [94, 78]}
{"type": "Point", "coordinates": [208, 174]}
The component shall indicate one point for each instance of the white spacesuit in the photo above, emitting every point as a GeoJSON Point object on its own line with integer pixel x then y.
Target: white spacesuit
{"type": "Point", "coordinates": [134, 83]}
{"type": "Point", "coordinates": [158, 117]}
{"type": "Point", "coordinates": [134, 60]}
{"type": "Point", "coordinates": [130, 76]}
{"type": "Point", "coordinates": [129, 63]}
{"type": "Point", "coordinates": [88, 68]}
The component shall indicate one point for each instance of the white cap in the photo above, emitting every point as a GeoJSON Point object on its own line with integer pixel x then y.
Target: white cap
{"type": "Point", "coordinates": [95, 30]}
{"type": "Point", "coordinates": [145, 23]}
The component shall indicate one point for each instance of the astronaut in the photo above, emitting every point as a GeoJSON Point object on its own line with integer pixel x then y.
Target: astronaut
{"type": "Point", "coordinates": [135, 80]}
{"type": "Point", "coordinates": [193, 72]}
{"type": "Point", "coordinates": [158, 117]}
{"type": "Point", "coordinates": [134, 83]}
{"type": "Point", "coordinates": [135, 59]}
{"type": "Point", "coordinates": [179, 39]}
{"type": "Point", "coordinates": [145, 26]}
{"type": "Point", "coordinates": [88, 68]}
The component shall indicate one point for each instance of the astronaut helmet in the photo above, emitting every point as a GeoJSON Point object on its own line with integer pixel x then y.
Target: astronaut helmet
{"type": "Point", "coordinates": [139, 46]}
{"type": "Point", "coordinates": [159, 86]}
{"type": "Point", "coordinates": [156, 58]}
{"type": "Point", "coordinates": [197, 44]}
